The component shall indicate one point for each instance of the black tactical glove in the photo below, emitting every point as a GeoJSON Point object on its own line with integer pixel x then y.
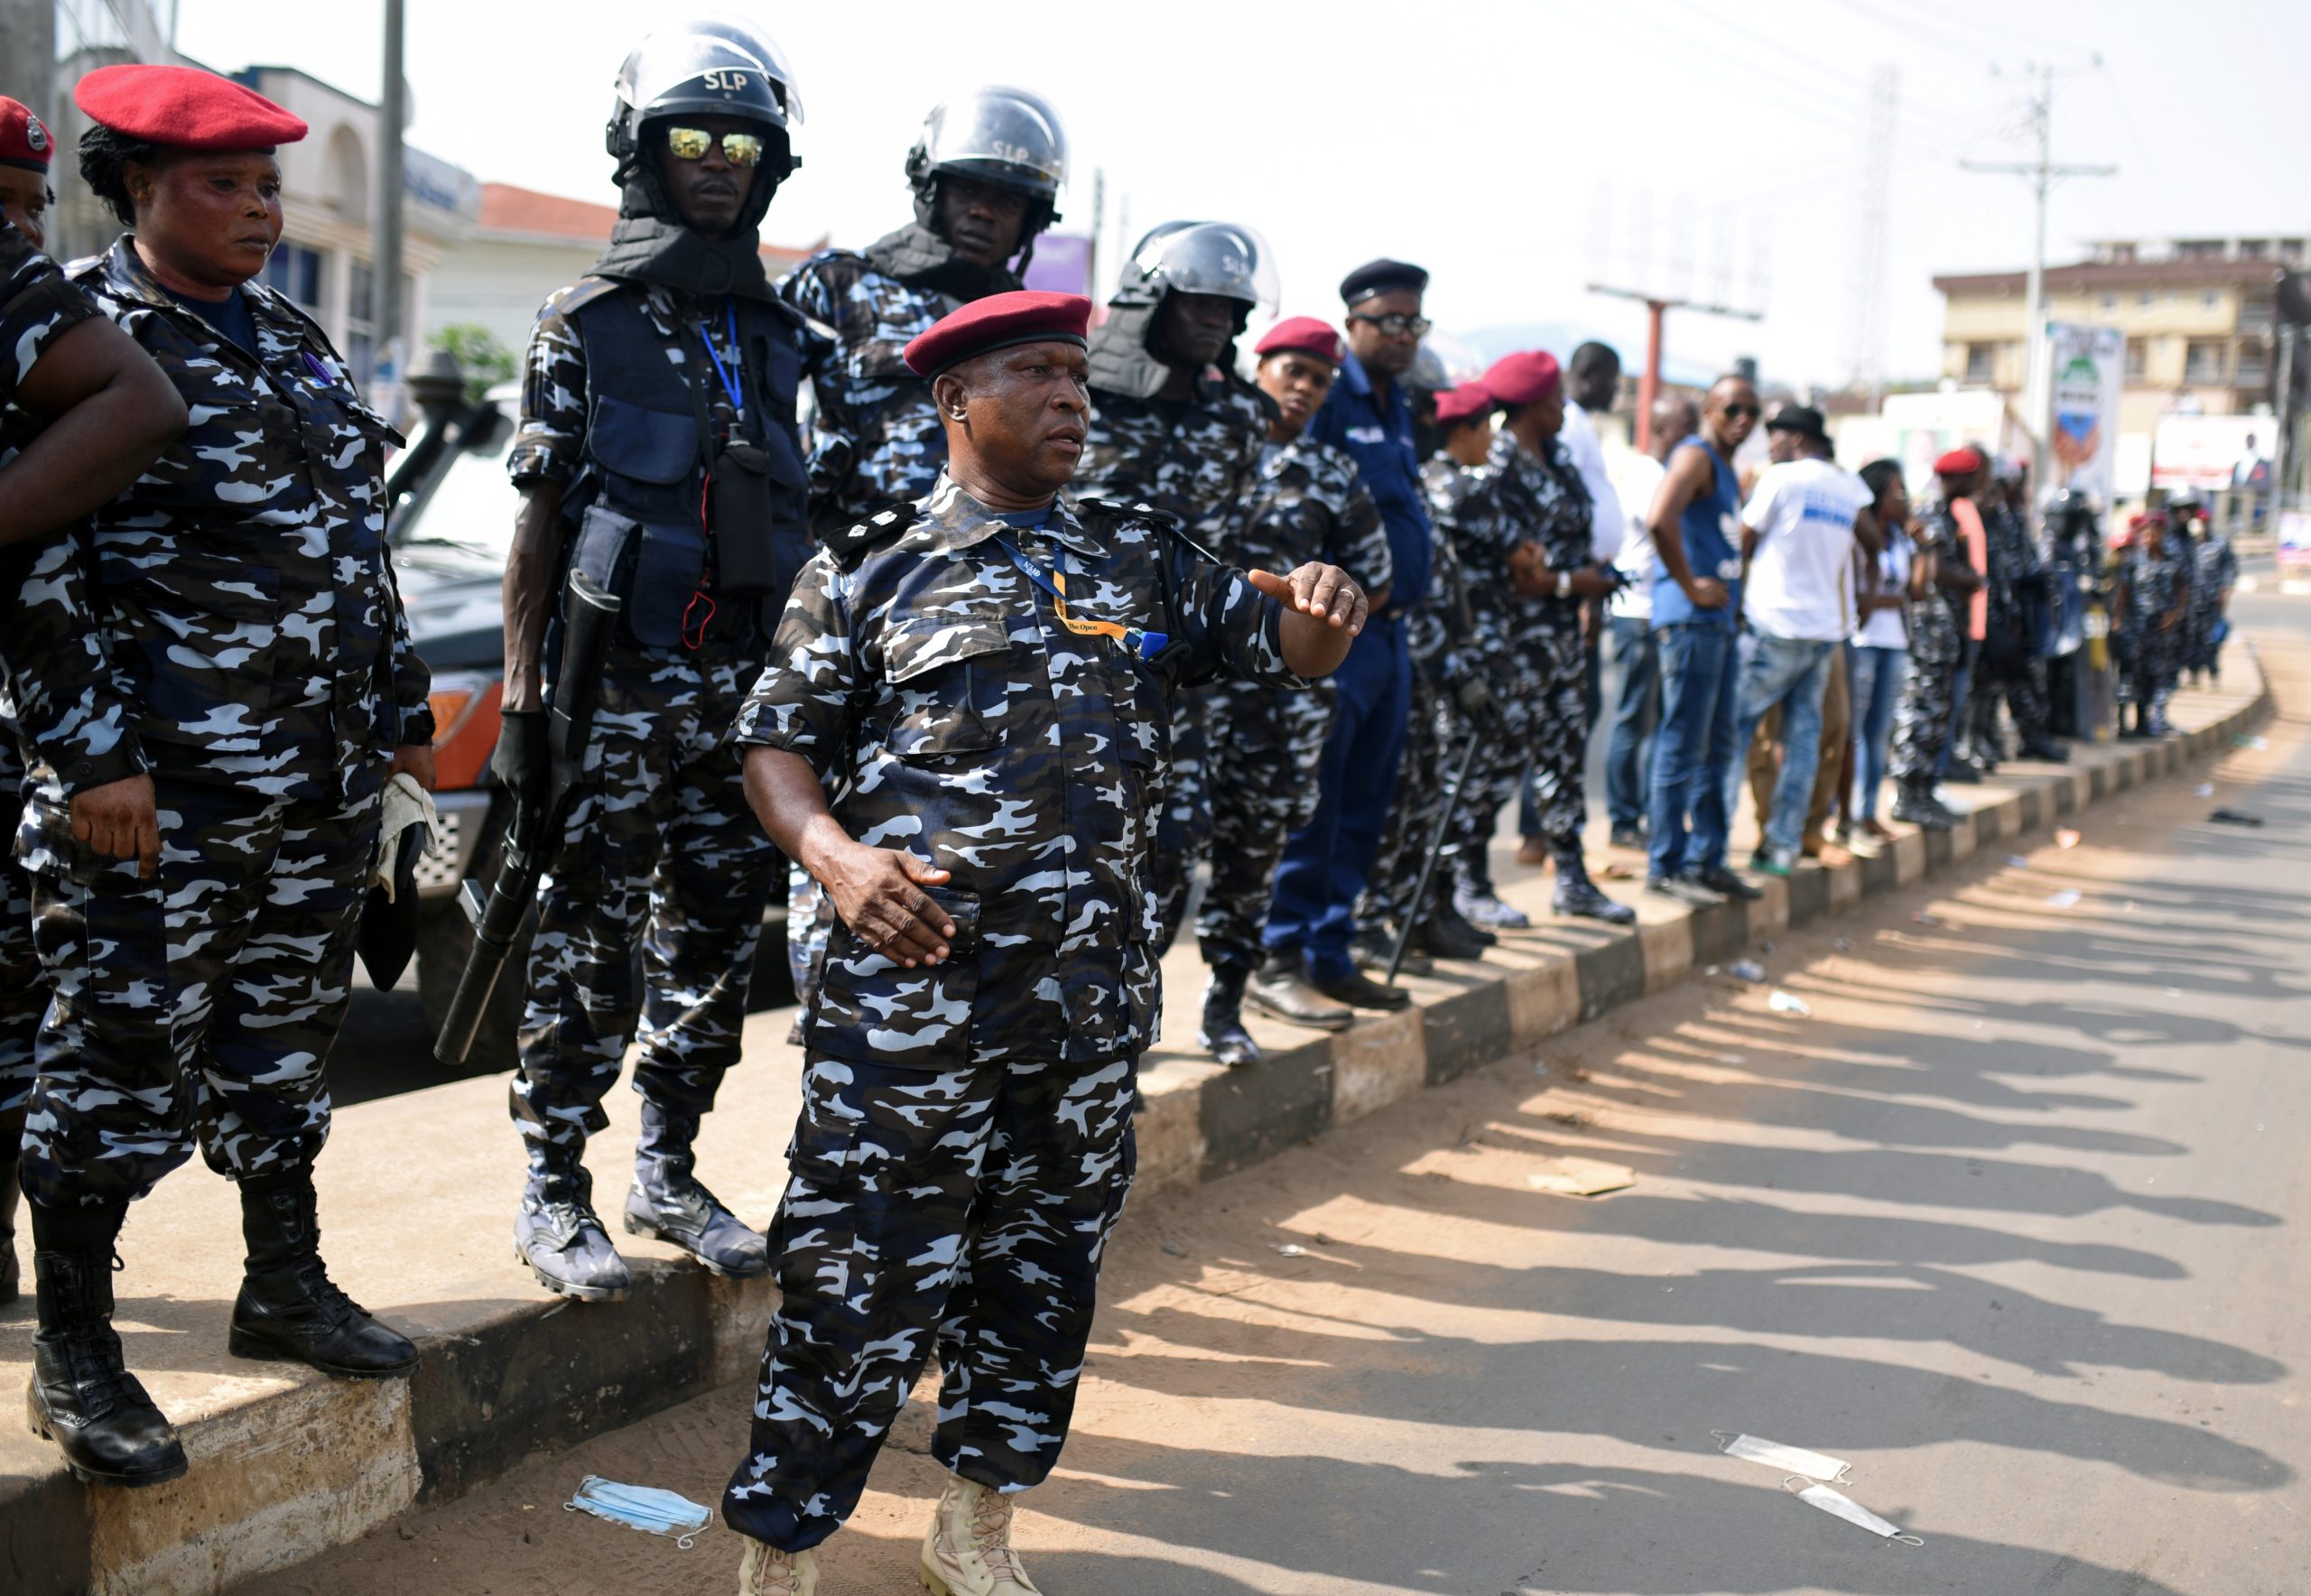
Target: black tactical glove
{"type": "Point", "coordinates": [521, 763]}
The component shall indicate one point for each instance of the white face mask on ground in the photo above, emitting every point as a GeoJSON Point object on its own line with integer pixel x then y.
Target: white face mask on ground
{"type": "Point", "coordinates": [1789, 1460]}
{"type": "Point", "coordinates": [1840, 1506]}
{"type": "Point", "coordinates": [640, 1506]}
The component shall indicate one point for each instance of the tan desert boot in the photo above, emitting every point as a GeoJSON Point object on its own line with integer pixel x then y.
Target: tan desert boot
{"type": "Point", "coordinates": [765, 1571]}
{"type": "Point", "coordinates": [967, 1551]}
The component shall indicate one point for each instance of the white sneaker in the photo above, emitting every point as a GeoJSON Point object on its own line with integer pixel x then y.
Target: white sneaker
{"type": "Point", "coordinates": [967, 1551]}
{"type": "Point", "coordinates": [765, 1571]}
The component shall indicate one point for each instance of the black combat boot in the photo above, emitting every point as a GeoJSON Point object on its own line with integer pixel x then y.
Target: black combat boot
{"type": "Point", "coordinates": [667, 1201]}
{"type": "Point", "coordinates": [1223, 1035]}
{"type": "Point", "coordinates": [1915, 802]}
{"type": "Point", "coordinates": [559, 1235]}
{"type": "Point", "coordinates": [1577, 894]}
{"type": "Point", "coordinates": [82, 1397]}
{"type": "Point", "coordinates": [12, 1279]}
{"type": "Point", "coordinates": [289, 1308]}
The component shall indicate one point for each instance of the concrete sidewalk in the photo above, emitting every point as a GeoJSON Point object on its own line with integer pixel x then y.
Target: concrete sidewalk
{"type": "Point", "coordinates": [418, 1193]}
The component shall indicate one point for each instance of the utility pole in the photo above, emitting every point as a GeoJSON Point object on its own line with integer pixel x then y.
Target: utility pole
{"type": "Point", "coordinates": [1866, 336]}
{"type": "Point", "coordinates": [386, 269]}
{"type": "Point", "coordinates": [1648, 384]}
{"type": "Point", "coordinates": [28, 44]}
{"type": "Point", "coordinates": [2042, 174]}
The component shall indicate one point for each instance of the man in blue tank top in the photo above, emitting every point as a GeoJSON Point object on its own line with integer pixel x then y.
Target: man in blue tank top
{"type": "Point", "coordinates": [1697, 523]}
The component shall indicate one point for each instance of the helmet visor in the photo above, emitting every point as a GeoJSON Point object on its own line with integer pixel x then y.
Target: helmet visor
{"type": "Point", "coordinates": [710, 66]}
{"type": "Point", "coordinates": [1205, 258]}
{"type": "Point", "coordinates": [1002, 136]}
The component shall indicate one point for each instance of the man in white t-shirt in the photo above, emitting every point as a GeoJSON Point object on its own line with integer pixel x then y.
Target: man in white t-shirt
{"type": "Point", "coordinates": [1628, 625]}
{"type": "Point", "coordinates": [1797, 599]}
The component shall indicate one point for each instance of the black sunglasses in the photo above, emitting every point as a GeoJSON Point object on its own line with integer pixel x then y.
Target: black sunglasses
{"type": "Point", "coordinates": [1738, 411]}
{"type": "Point", "coordinates": [1395, 324]}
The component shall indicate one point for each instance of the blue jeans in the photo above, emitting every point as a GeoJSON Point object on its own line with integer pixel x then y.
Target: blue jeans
{"type": "Point", "coordinates": [1875, 675]}
{"type": "Point", "coordinates": [1794, 673]}
{"type": "Point", "coordinates": [1694, 749]}
{"type": "Point", "coordinates": [1629, 745]}
{"type": "Point", "coordinates": [1326, 860]}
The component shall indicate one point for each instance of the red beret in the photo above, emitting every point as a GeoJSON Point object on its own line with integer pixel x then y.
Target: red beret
{"type": "Point", "coordinates": [1465, 404]}
{"type": "Point", "coordinates": [1962, 461]}
{"type": "Point", "coordinates": [184, 108]}
{"type": "Point", "coordinates": [24, 139]}
{"type": "Point", "coordinates": [1305, 335]}
{"type": "Point", "coordinates": [999, 321]}
{"type": "Point", "coordinates": [1526, 377]}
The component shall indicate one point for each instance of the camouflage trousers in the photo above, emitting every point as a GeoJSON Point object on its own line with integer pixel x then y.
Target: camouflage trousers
{"type": "Point", "coordinates": [23, 993]}
{"type": "Point", "coordinates": [660, 846]}
{"type": "Point", "coordinates": [201, 1002]}
{"type": "Point", "coordinates": [1262, 749]}
{"type": "Point", "coordinates": [2021, 687]}
{"type": "Point", "coordinates": [1543, 727]}
{"type": "Point", "coordinates": [1433, 736]}
{"type": "Point", "coordinates": [1183, 816]}
{"type": "Point", "coordinates": [2148, 669]}
{"type": "Point", "coordinates": [1922, 718]}
{"type": "Point", "coordinates": [965, 1209]}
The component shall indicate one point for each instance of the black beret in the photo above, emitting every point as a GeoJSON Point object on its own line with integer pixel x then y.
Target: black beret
{"type": "Point", "coordinates": [1381, 276]}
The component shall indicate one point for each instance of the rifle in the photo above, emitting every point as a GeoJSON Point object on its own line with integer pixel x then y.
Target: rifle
{"type": "Point", "coordinates": [1436, 847]}
{"type": "Point", "coordinates": [589, 618]}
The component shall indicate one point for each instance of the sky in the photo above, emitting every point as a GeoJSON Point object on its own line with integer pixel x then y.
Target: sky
{"type": "Point", "coordinates": [1522, 150]}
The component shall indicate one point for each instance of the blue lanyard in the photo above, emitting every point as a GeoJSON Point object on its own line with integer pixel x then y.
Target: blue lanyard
{"type": "Point", "coordinates": [1145, 643]}
{"type": "Point", "coordinates": [733, 385]}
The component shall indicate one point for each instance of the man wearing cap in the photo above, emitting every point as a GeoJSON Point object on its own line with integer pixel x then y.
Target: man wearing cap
{"type": "Point", "coordinates": [986, 175]}
{"type": "Point", "coordinates": [231, 686]}
{"type": "Point", "coordinates": [1937, 643]}
{"type": "Point", "coordinates": [1174, 427]}
{"type": "Point", "coordinates": [982, 680]}
{"type": "Point", "coordinates": [657, 454]}
{"type": "Point", "coordinates": [1523, 534]}
{"type": "Point", "coordinates": [1799, 534]}
{"type": "Point", "coordinates": [1696, 524]}
{"type": "Point", "coordinates": [1451, 698]}
{"type": "Point", "coordinates": [88, 412]}
{"type": "Point", "coordinates": [1368, 416]}
{"type": "Point", "coordinates": [1306, 503]}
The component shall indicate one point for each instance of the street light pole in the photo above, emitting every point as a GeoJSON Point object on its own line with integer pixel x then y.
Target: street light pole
{"type": "Point", "coordinates": [386, 269]}
{"type": "Point", "coordinates": [1649, 382]}
{"type": "Point", "coordinates": [2042, 174]}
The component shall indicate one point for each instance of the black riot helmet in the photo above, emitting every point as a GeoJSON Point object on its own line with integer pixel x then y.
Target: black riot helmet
{"type": "Point", "coordinates": [1007, 138]}
{"type": "Point", "coordinates": [714, 65]}
{"type": "Point", "coordinates": [1218, 258]}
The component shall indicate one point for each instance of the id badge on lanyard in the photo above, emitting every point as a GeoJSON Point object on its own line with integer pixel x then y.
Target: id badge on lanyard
{"type": "Point", "coordinates": [1145, 643]}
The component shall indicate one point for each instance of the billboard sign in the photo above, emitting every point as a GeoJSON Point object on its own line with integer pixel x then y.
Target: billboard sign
{"type": "Point", "coordinates": [2088, 363]}
{"type": "Point", "coordinates": [2209, 452]}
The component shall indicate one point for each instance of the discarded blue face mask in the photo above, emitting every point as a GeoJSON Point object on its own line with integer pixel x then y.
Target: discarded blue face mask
{"type": "Point", "coordinates": [640, 1506]}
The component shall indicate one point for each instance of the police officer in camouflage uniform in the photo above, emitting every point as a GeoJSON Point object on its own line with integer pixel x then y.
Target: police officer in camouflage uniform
{"type": "Point", "coordinates": [658, 454]}
{"type": "Point", "coordinates": [2215, 573]}
{"type": "Point", "coordinates": [1937, 644]}
{"type": "Point", "coordinates": [1174, 427]}
{"type": "Point", "coordinates": [986, 175]}
{"type": "Point", "coordinates": [1450, 698]}
{"type": "Point", "coordinates": [982, 679]}
{"type": "Point", "coordinates": [1523, 533]}
{"type": "Point", "coordinates": [2012, 669]}
{"type": "Point", "coordinates": [215, 687]}
{"type": "Point", "coordinates": [89, 412]}
{"type": "Point", "coordinates": [2152, 607]}
{"type": "Point", "coordinates": [1265, 743]}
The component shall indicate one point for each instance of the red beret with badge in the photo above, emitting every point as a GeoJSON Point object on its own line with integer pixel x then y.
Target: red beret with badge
{"type": "Point", "coordinates": [1962, 461]}
{"type": "Point", "coordinates": [1526, 377]}
{"type": "Point", "coordinates": [1001, 321]}
{"type": "Point", "coordinates": [24, 138]}
{"type": "Point", "coordinates": [1469, 401]}
{"type": "Point", "coordinates": [184, 108]}
{"type": "Point", "coordinates": [1303, 335]}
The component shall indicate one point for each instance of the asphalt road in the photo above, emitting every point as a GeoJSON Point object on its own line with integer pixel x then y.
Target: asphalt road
{"type": "Point", "coordinates": [2010, 1221]}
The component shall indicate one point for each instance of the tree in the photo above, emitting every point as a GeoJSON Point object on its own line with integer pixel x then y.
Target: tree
{"type": "Point", "coordinates": [484, 361]}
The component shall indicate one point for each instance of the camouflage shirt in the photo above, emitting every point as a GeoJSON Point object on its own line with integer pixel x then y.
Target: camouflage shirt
{"type": "Point", "coordinates": [1513, 499]}
{"type": "Point", "coordinates": [936, 695]}
{"type": "Point", "coordinates": [1434, 627]}
{"type": "Point", "coordinates": [1307, 503]}
{"type": "Point", "coordinates": [236, 604]}
{"type": "Point", "coordinates": [36, 306]}
{"type": "Point", "coordinates": [1195, 459]}
{"type": "Point", "coordinates": [876, 439]}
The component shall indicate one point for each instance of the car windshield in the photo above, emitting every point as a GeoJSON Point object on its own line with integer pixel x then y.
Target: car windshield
{"type": "Point", "coordinates": [470, 506]}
